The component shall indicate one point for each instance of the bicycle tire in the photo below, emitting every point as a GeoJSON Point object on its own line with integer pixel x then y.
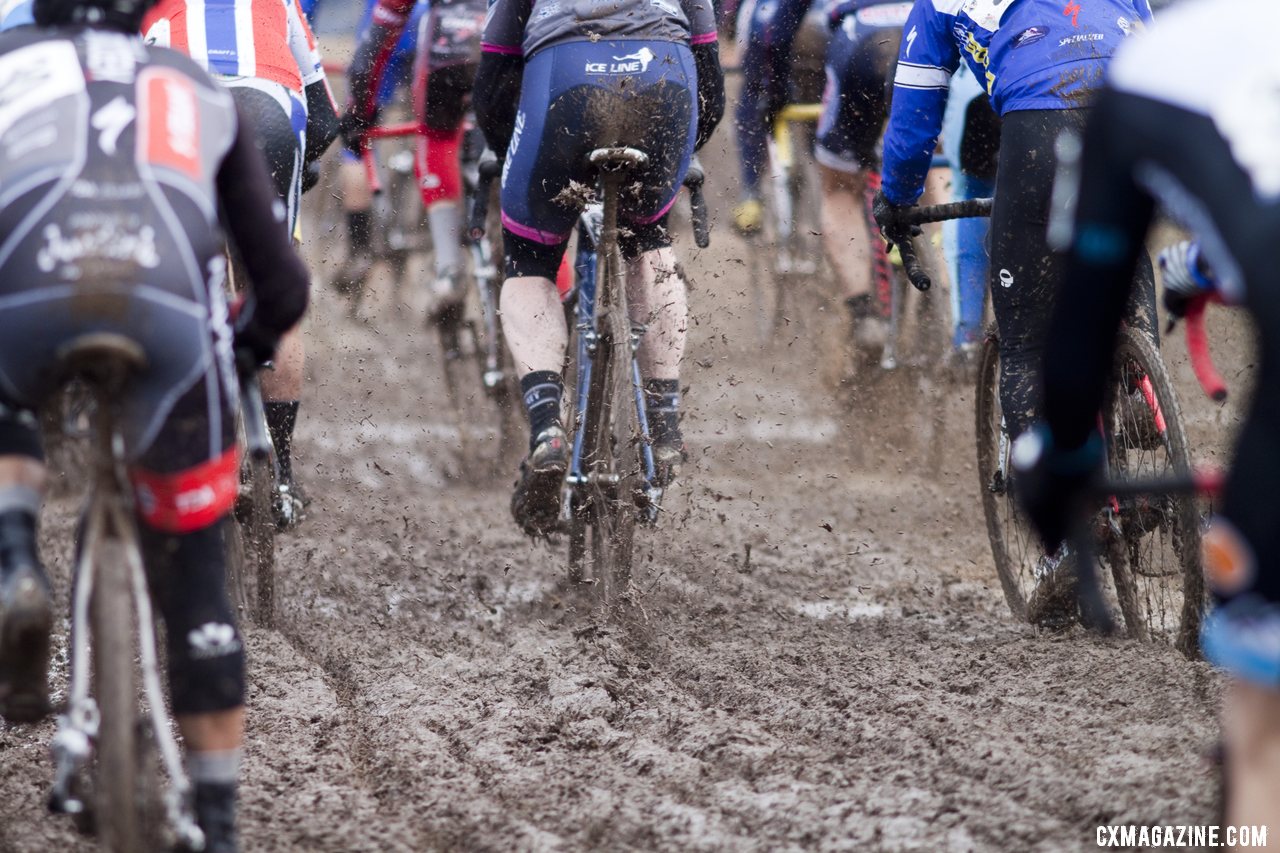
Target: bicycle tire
{"type": "Point", "coordinates": [1014, 547]}
{"type": "Point", "coordinates": [1155, 561]}
{"type": "Point", "coordinates": [611, 434]}
{"type": "Point", "coordinates": [118, 816]}
{"type": "Point", "coordinates": [251, 545]}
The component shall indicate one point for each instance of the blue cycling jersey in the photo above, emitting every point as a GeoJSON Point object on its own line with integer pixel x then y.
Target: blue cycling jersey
{"type": "Point", "coordinates": [1030, 55]}
{"type": "Point", "coordinates": [15, 13]}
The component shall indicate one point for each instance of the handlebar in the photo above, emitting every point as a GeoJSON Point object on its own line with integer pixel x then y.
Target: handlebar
{"type": "Point", "coordinates": [386, 131]}
{"type": "Point", "coordinates": [901, 232]}
{"type": "Point", "coordinates": [693, 180]}
{"type": "Point", "coordinates": [488, 169]}
{"type": "Point", "coordinates": [1198, 351]}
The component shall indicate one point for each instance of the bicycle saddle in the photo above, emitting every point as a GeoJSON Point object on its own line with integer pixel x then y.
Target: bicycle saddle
{"type": "Point", "coordinates": [103, 359]}
{"type": "Point", "coordinates": [618, 159]}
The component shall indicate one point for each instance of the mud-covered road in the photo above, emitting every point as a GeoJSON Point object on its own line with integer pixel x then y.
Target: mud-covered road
{"type": "Point", "coordinates": [821, 657]}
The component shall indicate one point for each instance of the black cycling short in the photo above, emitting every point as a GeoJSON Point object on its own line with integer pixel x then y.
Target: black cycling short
{"type": "Point", "coordinates": [861, 59]}
{"type": "Point", "coordinates": [573, 100]}
{"type": "Point", "coordinates": [1025, 273]}
{"type": "Point", "coordinates": [278, 117]}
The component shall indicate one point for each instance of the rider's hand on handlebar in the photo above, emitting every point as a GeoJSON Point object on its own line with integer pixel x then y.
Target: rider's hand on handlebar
{"type": "Point", "coordinates": [887, 216]}
{"type": "Point", "coordinates": [353, 128]}
{"type": "Point", "coordinates": [253, 345]}
{"type": "Point", "coordinates": [1186, 277]}
{"type": "Point", "coordinates": [1048, 480]}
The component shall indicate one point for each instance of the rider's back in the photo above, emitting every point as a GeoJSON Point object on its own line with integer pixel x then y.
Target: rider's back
{"type": "Point", "coordinates": [111, 156]}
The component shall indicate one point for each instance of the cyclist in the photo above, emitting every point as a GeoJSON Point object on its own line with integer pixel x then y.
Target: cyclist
{"type": "Point", "coordinates": [265, 53]}
{"type": "Point", "coordinates": [357, 195]}
{"type": "Point", "coordinates": [445, 66]}
{"type": "Point", "coordinates": [1189, 121]}
{"type": "Point", "coordinates": [1041, 66]}
{"type": "Point", "coordinates": [110, 226]}
{"type": "Point", "coordinates": [555, 83]}
{"type": "Point", "coordinates": [859, 65]}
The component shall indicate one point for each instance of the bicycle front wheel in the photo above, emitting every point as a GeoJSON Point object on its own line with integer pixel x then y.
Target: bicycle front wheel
{"type": "Point", "coordinates": [1150, 544]}
{"type": "Point", "coordinates": [121, 795]}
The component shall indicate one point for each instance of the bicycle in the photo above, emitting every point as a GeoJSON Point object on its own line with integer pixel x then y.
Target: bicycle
{"type": "Point", "coordinates": [787, 250]}
{"type": "Point", "coordinates": [104, 774]}
{"type": "Point", "coordinates": [611, 483]}
{"type": "Point", "coordinates": [1153, 557]}
{"type": "Point", "coordinates": [471, 343]}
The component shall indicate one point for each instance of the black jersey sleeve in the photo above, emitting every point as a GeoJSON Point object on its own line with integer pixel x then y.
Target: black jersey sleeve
{"type": "Point", "coordinates": [706, 59]}
{"type": "Point", "coordinates": [496, 98]}
{"type": "Point", "coordinates": [255, 220]}
{"type": "Point", "coordinates": [1113, 213]}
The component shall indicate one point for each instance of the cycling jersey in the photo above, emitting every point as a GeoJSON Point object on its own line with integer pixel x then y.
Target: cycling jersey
{"type": "Point", "coordinates": [118, 161]}
{"type": "Point", "coordinates": [449, 36]}
{"type": "Point", "coordinates": [267, 39]}
{"type": "Point", "coordinates": [1030, 55]}
{"type": "Point", "coordinates": [523, 27]}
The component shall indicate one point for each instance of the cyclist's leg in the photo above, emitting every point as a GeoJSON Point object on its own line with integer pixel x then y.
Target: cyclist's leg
{"type": "Point", "coordinates": [26, 614]}
{"type": "Point", "coordinates": [749, 114]}
{"type": "Point", "coordinates": [279, 119]}
{"type": "Point", "coordinates": [440, 96]}
{"type": "Point", "coordinates": [1024, 271]}
{"type": "Point", "coordinates": [546, 154]}
{"type": "Point", "coordinates": [1242, 565]}
{"type": "Point", "coordinates": [859, 61]}
{"type": "Point", "coordinates": [656, 290]}
{"type": "Point", "coordinates": [194, 456]}
{"type": "Point", "coordinates": [357, 196]}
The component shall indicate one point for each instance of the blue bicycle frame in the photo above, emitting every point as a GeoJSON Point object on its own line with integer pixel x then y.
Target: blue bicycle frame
{"type": "Point", "coordinates": [589, 228]}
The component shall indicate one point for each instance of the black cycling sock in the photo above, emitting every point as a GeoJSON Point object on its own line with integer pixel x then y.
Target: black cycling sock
{"type": "Point", "coordinates": [862, 306]}
{"type": "Point", "coordinates": [281, 419]}
{"type": "Point", "coordinates": [359, 229]}
{"type": "Point", "coordinates": [662, 404]}
{"type": "Point", "coordinates": [542, 390]}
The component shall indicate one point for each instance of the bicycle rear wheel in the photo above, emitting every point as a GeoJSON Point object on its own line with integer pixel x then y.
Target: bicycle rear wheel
{"type": "Point", "coordinates": [611, 446]}
{"type": "Point", "coordinates": [1014, 546]}
{"type": "Point", "coordinates": [122, 791]}
{"type": "Point", "coordinates": [1151, 545]}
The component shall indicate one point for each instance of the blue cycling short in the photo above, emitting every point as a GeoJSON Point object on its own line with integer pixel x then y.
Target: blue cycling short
{"type": "Point", "coordinates": [579, 96]}
{"type": "Point", "coordinates": [860, 62]}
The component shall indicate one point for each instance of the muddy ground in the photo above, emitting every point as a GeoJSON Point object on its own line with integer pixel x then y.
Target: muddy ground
{"type": "Point", "coordinates": [821, 657]}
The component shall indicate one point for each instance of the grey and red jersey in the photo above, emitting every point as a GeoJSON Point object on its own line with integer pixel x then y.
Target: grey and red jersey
{"type": "Point", "coordinates": [111, 151]}
{"type": "Point", "coordinates": [524, 27]}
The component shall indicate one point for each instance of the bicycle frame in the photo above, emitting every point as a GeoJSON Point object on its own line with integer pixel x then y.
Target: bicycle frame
{"type": "Point", "coordinates": [590, 297]}
{"type": "Point", "coordinates": [109, 515]}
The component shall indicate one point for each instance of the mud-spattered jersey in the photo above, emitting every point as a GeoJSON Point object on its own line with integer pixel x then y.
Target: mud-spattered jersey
{"type": "Point", "coordinates": [110, 153]}
{"type": "Point", "coordinates": [267, 39]}
{"type": "Point", "coordinates": [1029, 55]}
{"type": "Point", "coordinates": [527, 26]}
